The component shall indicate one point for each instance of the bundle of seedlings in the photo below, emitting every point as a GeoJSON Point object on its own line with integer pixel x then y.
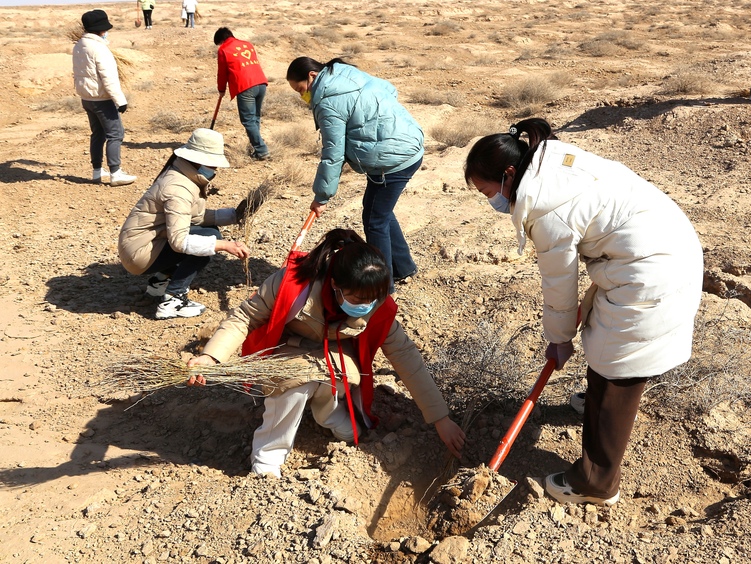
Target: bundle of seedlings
{"type": "Point", "coordinates": [255, 374]}
{"type": "Point", "coordinates": [254, 201]}
{"type": "Point", "coordinates": [124, 65]}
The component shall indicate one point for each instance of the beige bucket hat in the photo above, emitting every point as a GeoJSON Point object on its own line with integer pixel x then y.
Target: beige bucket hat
{"type": "Point", "coordinates": [205, 147]}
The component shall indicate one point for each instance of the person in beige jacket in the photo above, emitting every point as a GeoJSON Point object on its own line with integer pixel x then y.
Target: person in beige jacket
{"type": "Point", "coordinates": [330, 308]}
{"type": "Point", "coordinates": [171, 234]}
{"type": "Point", "coordinates": [98, 84]}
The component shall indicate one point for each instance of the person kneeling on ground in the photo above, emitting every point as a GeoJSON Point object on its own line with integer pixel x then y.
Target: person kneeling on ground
{"type": "Point", "coordinates": [330, 308]}
{"type": "Point", "coordinates": [170, 233]}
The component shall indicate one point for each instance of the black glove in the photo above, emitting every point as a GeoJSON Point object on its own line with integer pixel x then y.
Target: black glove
{"type": "Point", "coordinates": [559, 352]}
{"type": "Point", "coordinates": [122, 108]}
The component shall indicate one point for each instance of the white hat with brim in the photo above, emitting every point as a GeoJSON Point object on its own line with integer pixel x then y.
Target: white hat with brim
{"type": "Point", "coordinates": [205, 147]}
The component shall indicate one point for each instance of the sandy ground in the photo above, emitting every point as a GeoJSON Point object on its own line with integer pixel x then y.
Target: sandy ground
{"type": "Point", "coordinates": [86, 477]}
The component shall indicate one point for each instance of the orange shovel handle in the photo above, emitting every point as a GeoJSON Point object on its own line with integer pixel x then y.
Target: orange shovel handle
{"type": "Point", "coordinates": [303, 232]}
{"type": "Point", "coordinates": [516, 426]}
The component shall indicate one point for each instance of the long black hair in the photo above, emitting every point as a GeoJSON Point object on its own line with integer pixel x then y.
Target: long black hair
{"type": "Point", "coordinates": [492, 155]}
{"type": "Point", "coordinates": [354, 265]}
{"type": "Point", "coordinates": [301, 67]}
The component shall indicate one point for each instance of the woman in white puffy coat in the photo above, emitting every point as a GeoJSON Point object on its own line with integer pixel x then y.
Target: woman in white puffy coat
{"type": "Point", "coordinates": [645, 262]}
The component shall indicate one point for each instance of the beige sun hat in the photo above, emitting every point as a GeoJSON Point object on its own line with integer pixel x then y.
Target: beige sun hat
{"type": "Point", "coordinates": [205, 147]}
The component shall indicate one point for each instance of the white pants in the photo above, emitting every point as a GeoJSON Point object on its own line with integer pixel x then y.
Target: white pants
{"type": "Point", "coordinates": [273, 440]}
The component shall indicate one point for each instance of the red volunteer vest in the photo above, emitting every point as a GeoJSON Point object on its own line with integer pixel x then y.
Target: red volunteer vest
{"type": "Point", "coordinates": [366, 344]}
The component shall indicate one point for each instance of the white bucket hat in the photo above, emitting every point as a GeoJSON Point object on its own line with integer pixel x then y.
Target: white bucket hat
{"type": "Point", "coordinates": [205, 147]}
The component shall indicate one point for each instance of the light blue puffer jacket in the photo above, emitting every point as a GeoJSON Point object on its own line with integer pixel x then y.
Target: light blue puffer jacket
{"type": "Point", "coordinates": [362, 123]}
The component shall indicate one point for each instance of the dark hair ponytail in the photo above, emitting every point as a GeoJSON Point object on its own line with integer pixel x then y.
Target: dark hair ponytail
{"type": "Point", "coordinates": [493, 154]}
{"type": "Point", "coordinates": [299, 69]}
{"type": "Point", "coordinates": [354, 264]}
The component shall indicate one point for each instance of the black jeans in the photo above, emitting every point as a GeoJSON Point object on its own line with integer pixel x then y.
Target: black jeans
{"type": "Point", "coordinates": [182, 268]}
{"type": "Point", "coordinates": [147, 18]}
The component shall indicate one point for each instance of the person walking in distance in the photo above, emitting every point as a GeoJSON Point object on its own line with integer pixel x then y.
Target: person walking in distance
{"type": "Point", "coordinates": [97, 83]}
{"type": "Point", "coordinates": [239, 67]}
{"type": "Point", "coordinates": [147, 7]}
{"type": "Point", "coordinates": [190, 7]}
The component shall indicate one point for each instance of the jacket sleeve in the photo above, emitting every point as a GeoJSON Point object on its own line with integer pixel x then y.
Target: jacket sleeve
{"type": "Point", "coordinates": [178, 203]}
{"type": "Point", "coordinates": [333, 133]}
{"type": "Point", "coordinates": [106, 68]}
{"type": "Point", "coordinates": [248, 316]}
{"type": "Point", "coordinates": [410, 366]}
{"type": "Point", "coordinates": [221, 73]}
{"type": "Point", "coordinates": [557, 258]}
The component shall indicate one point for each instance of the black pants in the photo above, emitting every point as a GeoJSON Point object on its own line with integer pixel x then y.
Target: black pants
{"type": "Point", "coordinates": [610, 407]}
{"type": "Point", "coordinates": [147, 18]}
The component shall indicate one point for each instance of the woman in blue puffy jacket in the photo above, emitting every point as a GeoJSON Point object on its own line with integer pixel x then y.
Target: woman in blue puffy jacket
{"type": "Point", "coordinates": [363, 124]}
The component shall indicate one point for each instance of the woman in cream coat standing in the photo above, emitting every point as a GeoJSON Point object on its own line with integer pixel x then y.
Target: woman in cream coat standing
{"type": "Point", "coordinates": [645, 262]}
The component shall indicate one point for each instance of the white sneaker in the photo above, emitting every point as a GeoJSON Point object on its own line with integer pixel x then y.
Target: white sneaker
{"type": "Point", "coordinates": [577, 402]}
{"type": "Point", "coordinates": [178, 306]}
{"type": "Point", "coordinates": [121, 178]}
{"type": "Point", "coordinates": [100, 176]}
{"type": "Point", "coordinates": [559, 489]}
{"type": "Point", "coordinates": [157, 286]}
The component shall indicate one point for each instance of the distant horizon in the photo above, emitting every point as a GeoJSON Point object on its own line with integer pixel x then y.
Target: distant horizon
{"type": "Point", "coordinates": [22, 3]}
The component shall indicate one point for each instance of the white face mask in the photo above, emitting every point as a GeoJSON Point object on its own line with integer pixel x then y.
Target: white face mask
{"type": "Point", "coordinates": [105, 34]}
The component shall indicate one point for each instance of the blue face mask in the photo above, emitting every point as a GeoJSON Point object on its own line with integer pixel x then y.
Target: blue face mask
{"type": "Point", "coordinates": [356, 310]}
{"type": "Point", "coordinates": [500, 203]}
{"type": "Point", "coordinates": [206, 172]}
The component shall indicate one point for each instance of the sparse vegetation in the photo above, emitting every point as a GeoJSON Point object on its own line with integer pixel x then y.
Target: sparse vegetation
{"type": "Point", "coordinates": [443, 28]}
{"type": "Point", "coordinates": [66, 104]}
{"type": "Point", "coordinates": [526, 95]}
{"type": "Point", "coordinates": [460, 130]}
{"type": "Point", "coordinates": [284, 105]}
{"type": "Point", "coordinates": [174, 122]}
{"type": "Point", "coordinates": [433, 97]}
{"type": "Point", "coordinates": [687, 82]}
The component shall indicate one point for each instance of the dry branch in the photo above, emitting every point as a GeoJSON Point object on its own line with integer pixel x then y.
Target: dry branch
{"type": "Point", "coordinates": [254, 375]}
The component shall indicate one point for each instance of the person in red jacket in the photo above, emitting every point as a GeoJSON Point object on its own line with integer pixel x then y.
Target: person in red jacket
{"type": "Point", "coordinates": [239, 66]}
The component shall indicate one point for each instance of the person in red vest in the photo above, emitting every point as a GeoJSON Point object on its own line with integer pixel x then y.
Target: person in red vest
{"type": "Point", "coordinates": [239, 66]}
{"type": "Point", "coordinates": [330, 308]}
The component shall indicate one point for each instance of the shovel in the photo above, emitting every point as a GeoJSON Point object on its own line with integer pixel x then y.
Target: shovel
{"type": "Point", "coordinates": [303, 232]}
{"type": "Point", "coordinates": [216, 112]}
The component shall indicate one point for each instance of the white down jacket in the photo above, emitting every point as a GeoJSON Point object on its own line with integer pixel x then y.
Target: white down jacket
{"type": "Point", "coordinates": [95, 71]}
{"type": "Point", "coordinates": [639, 249]}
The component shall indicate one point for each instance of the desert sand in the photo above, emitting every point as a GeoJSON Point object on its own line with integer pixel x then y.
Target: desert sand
{"type": "Point", "coordinates": [93, 477]}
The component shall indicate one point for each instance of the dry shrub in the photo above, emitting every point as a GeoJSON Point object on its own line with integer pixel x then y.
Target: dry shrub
{"type": "Point", "coordinates": [285, 106]}
{"type": "Point", "coordinates": [533, 91]}
{"type": "Point", "coordinates": [327, 34]}
{"type": "Point", "coordinates": [387, 44]}
{"type": "Point", "coordinates": [556, 51]}
{"type": "Point", "coordinates": [486, 61]}
{"type": "Point", "coordinates": [350, 50]}
{"type": "Point", "coordinates": [202, 51]}
{"type": "Point", "coordinates": [716, 372]}
{"type": "Point", "coordinates": [298, 41]}
{"type": "Point", "coordinates": [175, 123]}
{"type": "Point", "coordinates": [610, 44]}
{"type": "Point", "coordinates": [144, 86]}
{"type": "Point", "coordinates": [296, 136]}
{"type": "Point", "coordinates": [498, 37]}
{"type": "Point", "coordinates": [66, 104]}
{"type": "Point", "coordinates": [430, 97]}
{"type": "Point", "coordinates": [265, 39]}
{"type": "Point", "coordinates": [443, 28]}
{"type": "Point", "coordinates": [294, 172]}
{"type": "Point", "coordinates": [687, 81]}
{"type": "Point", "coordinates": [458, 131]}
{"type": "Point", "coordinates": [487, 364]}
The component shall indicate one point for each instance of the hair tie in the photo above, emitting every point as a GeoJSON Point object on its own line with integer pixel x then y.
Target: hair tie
{"type": "Point", "coordinates": [513, 132]}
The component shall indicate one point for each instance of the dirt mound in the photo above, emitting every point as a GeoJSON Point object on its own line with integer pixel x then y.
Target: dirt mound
{"type": "Point", "coordinates": [469, 496]}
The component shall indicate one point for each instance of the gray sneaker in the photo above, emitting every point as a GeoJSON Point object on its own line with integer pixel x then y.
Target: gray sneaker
{"type": "Point", "coordinates": [178, 306]}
